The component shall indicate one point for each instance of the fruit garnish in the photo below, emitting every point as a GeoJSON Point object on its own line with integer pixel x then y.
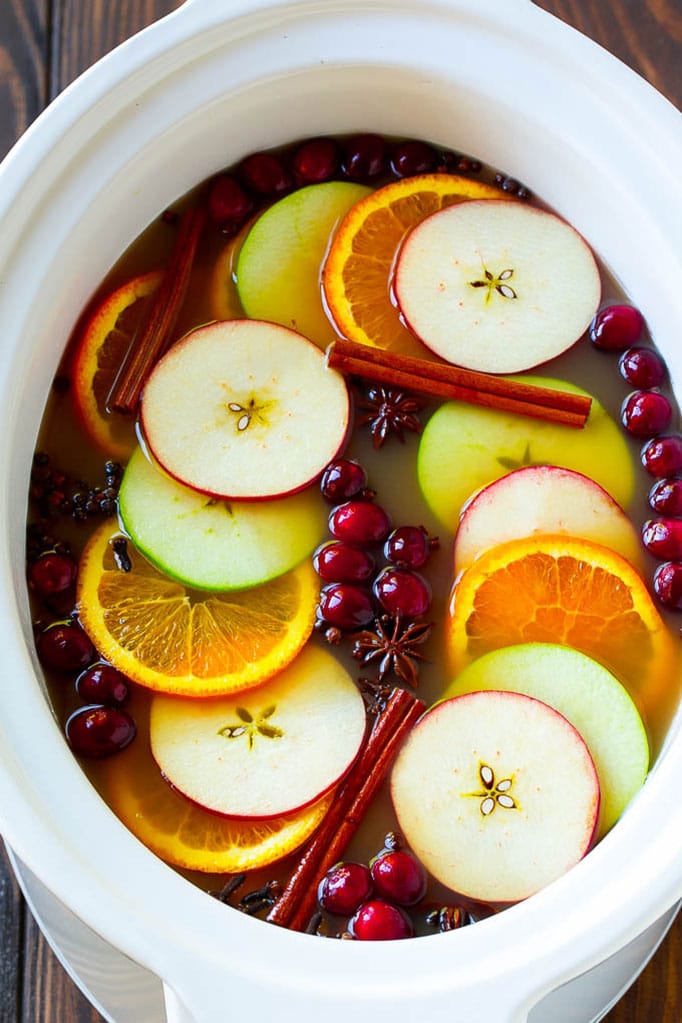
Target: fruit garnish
{"type": "Point", "coordinates": [570, 591]}
{"type": "Point", "coordinates": [646, 412]}
{"type": "Point", "coordinates": [169, 638]}
{"type": "Point", "coordinates": [642, 367]}
{"type": "Point", "coordinates": [616, 327]}
{"type": "Point", "coordinates": [378, 920]}
{"type": "Point", "coordinates": [400, 591]}
{"type": "Point", "coordinates": [357, 273]}
{"type": "Point", "coordinates": [662, 456]}
{"type": "Point", "coordinates": [101, 347]}
{"type": "Point", "coordinates": [98, 732]}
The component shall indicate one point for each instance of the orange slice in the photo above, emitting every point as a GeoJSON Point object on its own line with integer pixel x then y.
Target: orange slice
{"type": "Point", "coordinates": [559, 589]}
{"type": "Point", "coordinates": [101, 347]}
{"type": "Point", "coordinates": [189, 642]}
{"type": "Point", "coordinates": [185, 835]}
{"type": "Point", "coordinates": [357, 275]}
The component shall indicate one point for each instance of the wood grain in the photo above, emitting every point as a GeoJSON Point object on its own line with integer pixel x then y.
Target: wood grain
{"type": "Point", "coordinates": [45, 44]}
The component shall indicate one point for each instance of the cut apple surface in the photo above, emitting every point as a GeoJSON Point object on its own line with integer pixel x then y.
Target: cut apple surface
{"type": "Point", "coordinates": [543, 499]}
{"type": "Point", "coordinates": [589, 696]}
{"type": "Point", "coordinates": [497, 286]}
{"type": "Point", "coordinates": [245, 410]}
{"type": "Point", "coordinates": [269, 751]}
{"type": "Point", "coordinates": [211, 544]}
{"type": "Point", "coordinates": [280, 263]}
{"type": "Point", "coordinates": [497, 795]}
{"type": "Point", "coordinates": [464, 447]}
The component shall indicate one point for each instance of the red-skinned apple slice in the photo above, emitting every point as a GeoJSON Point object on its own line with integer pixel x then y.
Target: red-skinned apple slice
{"type": "Point", "coordinates": [543, 499]}
{"type": "Point", "coordinates": [497, 795]}
{"type": "Point", "coordinates": [244, 409]}
{"type": "Point", "coordinates": [495, 285]}
{"type": "Point", "coordinates": [266, 752]}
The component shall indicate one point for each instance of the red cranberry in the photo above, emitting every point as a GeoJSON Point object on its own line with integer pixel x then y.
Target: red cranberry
{"type": "Point", "coordinates": [339, 562]}
{"type": "Point", "coordinates": [346, 606]}
{"type": "Point", "coordinates": [378, 920]}
{"type": "Point", "coordinates": [364, 158]}
{"type": "Point", "coordinates": [645, 413]}
{"type": "Point", "coordinates": [642, 367]}
{"type": "Point", "coordinates": [65, 647]}
{"type": "Point", "coordinates": [412, 157]}
{"type": "Point", "coordinates": [227, 201]}
{"type": "Point", "coordinates": [52, 573]}
{"type": "Point", "coordinates": [344, 888]}
{"type": "Point", "coordinates": [663, 538]}
{"type": "Point", "coordinates": [315, 161]}
{"type": "Point", "coordinates": [668, 584]}
{"type": "Point", "coordinates": [409, 547]}
{"type": "Point", "coordinates": [666, 497]}
{"type": "Point", "coordinates": [98, 732]}
{"type": "Point", "coordinates": [359, 522]}
{"type": "Point", "coordinates": [398, 877]}
{"type": "Point", "coordinates": [265, 174]}
{"type": "Point", "coordinates": [662, 456]}
{"type": "Point", "coordinates": [342, 479]}
{"type": "Point", "coordinates": [102, 683]}
{"type": "Point", "coordinates": [616, 327]}
{"type": "Point", "coordinates": [402, 592]}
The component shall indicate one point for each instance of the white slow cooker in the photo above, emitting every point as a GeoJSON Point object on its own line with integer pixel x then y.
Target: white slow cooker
{"type": "Point", "coordinates": [210, 83]}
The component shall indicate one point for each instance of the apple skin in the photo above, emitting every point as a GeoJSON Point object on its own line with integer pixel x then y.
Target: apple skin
{"type": "Point", "coordinates": [588, 696]}
{"type": "Point", "coordinates": [535, 757]}
{"type": "Point", "coordinates": [543, 499]}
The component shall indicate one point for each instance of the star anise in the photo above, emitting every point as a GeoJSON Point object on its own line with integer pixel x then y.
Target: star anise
{"type": "Point", "coordinates": [393, 644]}
{"type": "Point", "coordinates": [390, 411]}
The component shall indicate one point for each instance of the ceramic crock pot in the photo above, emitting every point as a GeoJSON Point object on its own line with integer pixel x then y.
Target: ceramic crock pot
{"type": "Point", "coordinates": [194, 93]}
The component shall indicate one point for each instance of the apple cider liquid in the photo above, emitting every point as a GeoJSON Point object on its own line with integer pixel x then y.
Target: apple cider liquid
{"type": "Point", "coordinates": [313, 625]}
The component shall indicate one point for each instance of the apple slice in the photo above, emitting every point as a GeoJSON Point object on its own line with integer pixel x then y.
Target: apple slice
{"type": "Point", "coordinates": [280, 263]}
{"type": "Point", "coordinates": [496, 285]}
{"type": "Point", "coordinates": [464, 447]}
{"type": "Point", "coordinates": [589, 696]}
{"type": "Point", "coordinates": [211, 544]}
{"type": "Point", "coordinates": [497, 795]}
{"type": "Point", "coordinates": [543, 499]}
{"type": "Point", "coordinates": [268, 751]}
{"type": "Point", "coordinates": [245, 410]}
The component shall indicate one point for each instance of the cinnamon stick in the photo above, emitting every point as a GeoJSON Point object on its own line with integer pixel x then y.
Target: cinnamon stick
{"type": "Point", "coordinates": [297, 903]}
{"type": "Point", "coordinates": [440, 380]}
{"type": "Point", "coordinates": [155, 332]}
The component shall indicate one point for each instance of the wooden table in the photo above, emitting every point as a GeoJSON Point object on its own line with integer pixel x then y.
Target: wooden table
{"type": "Point", "coordinates": [44, 44]}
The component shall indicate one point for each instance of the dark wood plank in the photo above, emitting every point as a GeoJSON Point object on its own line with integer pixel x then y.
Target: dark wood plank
{"type": "Point", "coordinates": [23, 66]}
{"type": "Point", "coordinates": [12, 922]}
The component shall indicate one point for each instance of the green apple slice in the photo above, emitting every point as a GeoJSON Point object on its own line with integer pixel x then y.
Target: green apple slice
{"type": "Point", "coordinates": [588, 695]}
{"type": "Point", "coordinates": [280, 263]}
{"type": "Point", "coordinates": [465, 447]}
{"type": "Point", "coordinates": [211, 544]}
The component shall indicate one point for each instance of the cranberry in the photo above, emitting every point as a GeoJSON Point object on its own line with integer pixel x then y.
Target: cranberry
{"type": "Point", "coordinates": [668, 584]}
{"type": "Point", "coordinates": [412, 157]}
{"type": "Point", "coordinates": [65, 647]}
{"type": "Point", "coordinates": [666, 497]}
{"type": "Point", "coordinates": [663, 538]}
{"type": "Point", "coordinates": [359, 522]}
{"type": "Point", "coordinates": [102, 683]}
{"type": "Point", "coordinates": [402, 592]}
{"type": "Point", "coordinates": [344, 888]}
{"type": "Point", "coordinates": [265, 174]}
{"type": "Point", "coordinates": [364, 157]}
{"type": "Point", "coordinates": [315, 161]}
{"type": "Point", "coordinates": [52, 573]}
{"type": "Point", "coordinates": [339, 562]}
{"type": "Point", "coordinates": [646, 412]}
{"type": "Point", "coordinates": [342, 479]}
{"type": "Point", "coordinates": [346, 606]}
{"type": "Point", "coordinates": [99, 731]}
{"type": "Point", "coordinates": [227, 201]}
{"type": "Point", "coordinates": [642, 367]}
{"type": "Point", "coordinates": [616, 327]}
{"type": "Point", "coordinates": [662, 456]}
{"type": "Point", "coordinates": [409, 547]}
{"type": "Point", "coordinates": [399, 877]}
{"type": "Point", "coordinates": [378, 920]}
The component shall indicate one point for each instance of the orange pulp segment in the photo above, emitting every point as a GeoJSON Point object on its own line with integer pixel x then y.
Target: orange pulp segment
{"type": "Point", "coordinates": [358, 271]}
{"type": "Point", "coordinates": [188, 642]}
